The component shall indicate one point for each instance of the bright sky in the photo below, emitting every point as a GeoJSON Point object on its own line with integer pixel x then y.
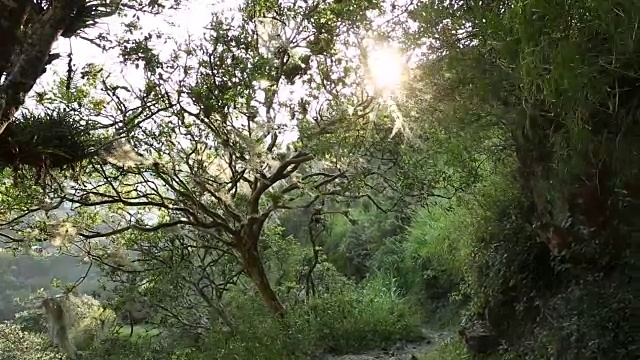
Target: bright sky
{"type": "Point", "coordinates": [190, 20]}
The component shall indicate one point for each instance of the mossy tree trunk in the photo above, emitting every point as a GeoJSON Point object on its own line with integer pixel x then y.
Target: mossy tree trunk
{"type": "Point", "coordinates": [28, 30]}
{"type": "Point", "coordinates": [27, 34]}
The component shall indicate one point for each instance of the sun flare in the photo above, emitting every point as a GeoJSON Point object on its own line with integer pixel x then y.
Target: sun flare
{"type": "Point", "coordinates": [386, 67]}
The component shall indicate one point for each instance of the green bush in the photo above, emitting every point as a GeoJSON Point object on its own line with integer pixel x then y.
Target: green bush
{"type": "Point", "coordinates": [118, 348]}
{"type": "Point", "coordinates": [436, 249]}
{"type": "Point", "coordinates": [452, 349]}
{"type": "Point", "coordinates": [582, 173]}
{"type": "Point", "coordinates": [431, 262]}
{"type": "Point", "coordinates": [588, 320]}
{"type": "Point", "coordinates": [352, 245]}
{"type": "Point", "coordinates": [32, 320]}
{"type": "Point", "coordinates": [90, 322]}
{"type": "Point", "coordinates": [257, 334]}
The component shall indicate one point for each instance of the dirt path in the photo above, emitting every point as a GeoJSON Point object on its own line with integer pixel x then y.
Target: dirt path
{"type": "Point", "coordinates": [402, 351]}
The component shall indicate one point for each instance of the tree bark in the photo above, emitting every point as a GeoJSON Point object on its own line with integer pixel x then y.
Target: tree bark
{"type": "Point", "coordinates": [253, 266]}
{"type": "Point", "coordinates": [14, 14]}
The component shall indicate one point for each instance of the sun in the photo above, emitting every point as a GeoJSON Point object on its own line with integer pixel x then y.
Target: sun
{"type": "Point", "coordinates": [385, 66]}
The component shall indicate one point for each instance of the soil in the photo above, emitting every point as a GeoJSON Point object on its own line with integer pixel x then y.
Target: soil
{"type": "Point", "coordinates": [401, 351]}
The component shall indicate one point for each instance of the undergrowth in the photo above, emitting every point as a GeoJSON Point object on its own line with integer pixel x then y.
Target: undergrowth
{"type": "Point", "coordinates": [347, 320]}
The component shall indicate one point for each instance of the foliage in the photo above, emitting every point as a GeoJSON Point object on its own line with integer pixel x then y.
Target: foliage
{"type": "Point", "coordinates": [46, 141]}
{"type": "Point", "coordinates": [526, 293]}
{"type": "Point", "coordinates": [432, 260]}
{"type": "Point", "coordinates": [31, 320]}
{"type": "Point", "coordinates": [296, 272]}
{"type": "Point", "coordinates": [113, 348]}
{"type": "Point", "coordinates": [344, 320]}
{"type": "Point", "coordinates": [180, 276]}
{"type": "Point", "coordinates": [360, 319]}
{"type": "Point", "coordinates": [554, 71]}
{"type": "Point", "coordinates": [352, 242]}
{"type": "Point", "coordinates": [437, 244]}
{"type": "Point", "coordinates": [233, 183]}
{"type": "Point", "coordinates": [90, 322]}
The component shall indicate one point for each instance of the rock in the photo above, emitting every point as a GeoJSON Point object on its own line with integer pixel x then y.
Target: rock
{"type": "Point", "coordinates": [480, 339]}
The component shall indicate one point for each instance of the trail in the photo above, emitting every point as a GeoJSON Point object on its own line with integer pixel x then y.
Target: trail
{"type": "Point", "coordinates": [401, 351]}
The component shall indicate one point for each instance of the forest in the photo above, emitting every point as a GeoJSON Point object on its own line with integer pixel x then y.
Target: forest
{"type": "Point", "coordinates": [319, 179]}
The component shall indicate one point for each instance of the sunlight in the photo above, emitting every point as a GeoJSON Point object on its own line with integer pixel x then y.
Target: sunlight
{"type": "Point", "coordinates": [385, 67]}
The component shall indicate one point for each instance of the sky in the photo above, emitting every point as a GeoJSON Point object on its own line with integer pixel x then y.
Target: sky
{"type": "Point", "coordinates": [189, 20]}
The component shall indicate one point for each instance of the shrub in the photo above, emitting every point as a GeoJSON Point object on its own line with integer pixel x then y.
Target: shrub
{"type": "Point", "coordinates": [257, 335]}
{"type": "Point", "coordinates": [352, 244]}
{"type": "Point", "coordinates": [452, 349]}
{"type": "Point", "coordinates": [436, 246]}
{"type": "Point", "coordinates": [432, 261]}
{"type": "Point", "coordinates": [90, 321]}
{"type": "Point", "coordinates": [589, 320]}
{"type": "Point", "coordinates": [118, 348]}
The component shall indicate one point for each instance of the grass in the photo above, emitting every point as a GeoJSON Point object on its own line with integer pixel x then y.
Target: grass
{"type": "Point", "coordinates": [140, 332]}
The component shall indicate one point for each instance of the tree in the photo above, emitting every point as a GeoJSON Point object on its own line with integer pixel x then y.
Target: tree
{"type": "Point", "coordinates": [213, 158]}
{"type": "Point", "coordinates": [225, 148]}
{"type": "Point", "coordinates": [29, 30]}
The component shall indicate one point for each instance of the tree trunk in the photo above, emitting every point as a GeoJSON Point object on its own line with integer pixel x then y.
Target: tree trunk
{"type": "Point", "coordinates": [253, 265]}
{"type": "Point", "coordinates": [31, 53]}
{"type": "Point", "coordinates": [13, 17]}
{"type": "Point", "coordinates": [215, 310]}
{"type": "Point", "coordinates": [28, 30]}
